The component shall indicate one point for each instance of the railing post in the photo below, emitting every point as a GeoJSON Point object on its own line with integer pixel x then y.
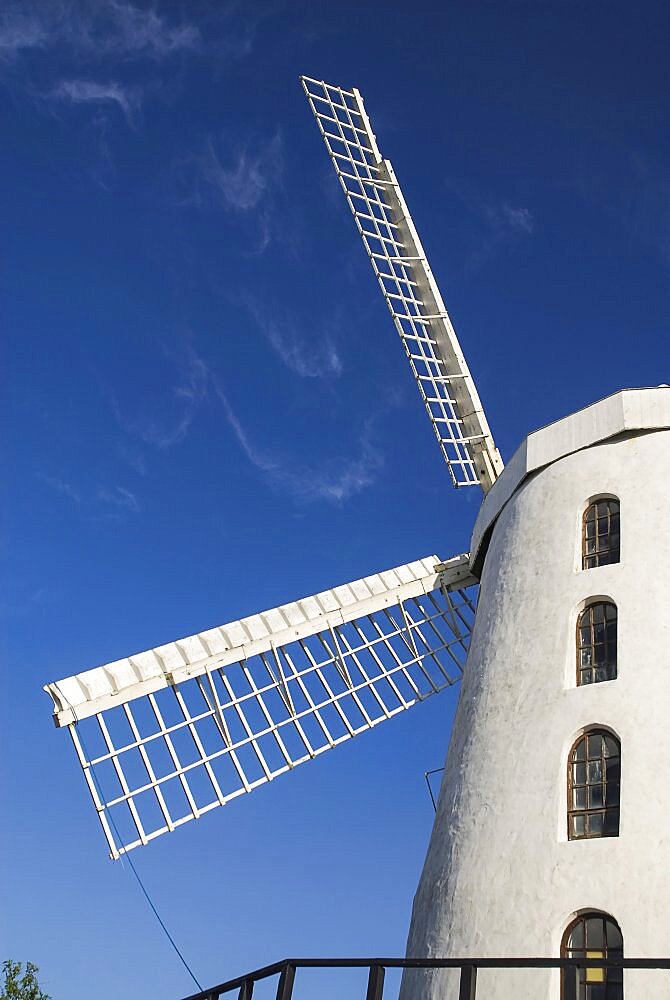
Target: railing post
{"type": "Point", "coordinates": [246, 990]}
{"type": "Point", "coordinates": [375, 982]}
{"type": "Point", "coordinates": [468, 982]}
{"type": "Point", "coordinates": [285, 985]}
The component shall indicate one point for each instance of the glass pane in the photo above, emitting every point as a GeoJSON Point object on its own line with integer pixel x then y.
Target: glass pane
{"type": "Point", "coordinates": [595, 825]}
{"type": "Point", "coordinates": [595, 796]}
{"type": "Point", "coordinates": [579, 774]}
{"type": "Point", "coordinates": [612, 794]}
{"type": "Point", "coordinates": [579, 798]}
{"type": "Point", "coordinates": [580, 750]}
{"type": "Point", "coordinates": [578, 827]}
{"type": "Point", "coordinates": [600, 650]}
{"type": "Point", "coordinates": [612, 823]}
{"type": "Point", "coordinates": [595, 934]}
{"type": "Point", "coordinates": [576, 939]}
{"type": "Point", "coordinates": [611, 747]}
{"type": "Point", "coordinates": [602, 674]}
{"type": "Point", "coordinates": [595, 975]}
{"type": "Point", "coordinates": [595, 771]}
{"type": "Point", "coordinates": [613, 766]}
{"type": "Point", "coordinates": [614, 939]}
{"type": "Point", "coordinates": [586, 677]}
{"type": "Point", "coordinates": [594, 746]}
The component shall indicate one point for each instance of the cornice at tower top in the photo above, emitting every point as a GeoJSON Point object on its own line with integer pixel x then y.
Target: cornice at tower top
{"type": "Point", "coordinates": [624, 412]}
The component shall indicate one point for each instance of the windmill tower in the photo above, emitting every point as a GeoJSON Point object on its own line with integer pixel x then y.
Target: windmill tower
{"type": "Point", "coordinates": [551, 831]}
{"type": "Point", "coordinates": [536, 837]}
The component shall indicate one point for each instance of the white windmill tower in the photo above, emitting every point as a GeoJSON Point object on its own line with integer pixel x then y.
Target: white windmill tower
{"type": "Point", "coordinates": [537, 846]}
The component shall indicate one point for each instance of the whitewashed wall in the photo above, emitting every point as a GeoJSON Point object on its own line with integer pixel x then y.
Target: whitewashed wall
{"type": "Point", "coordinates": [500, 877]}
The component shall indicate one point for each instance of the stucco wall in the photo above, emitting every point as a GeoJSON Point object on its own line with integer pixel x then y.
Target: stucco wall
{"type": "Point", "coordinates": [500, 877]}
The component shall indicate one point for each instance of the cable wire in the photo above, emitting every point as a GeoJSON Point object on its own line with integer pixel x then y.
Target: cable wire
{"type": "Point", "coordinates": [133, 868]}
{"type": "Point", "coordinates": [426, 775]}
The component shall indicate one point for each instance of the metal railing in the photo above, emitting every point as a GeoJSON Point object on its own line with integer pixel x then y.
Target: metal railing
{"type": "Point", "coordinates": [286, 971]}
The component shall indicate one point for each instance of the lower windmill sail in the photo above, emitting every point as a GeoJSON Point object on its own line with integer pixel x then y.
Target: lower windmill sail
{"type": "Point", "coordinates": [170, 734]}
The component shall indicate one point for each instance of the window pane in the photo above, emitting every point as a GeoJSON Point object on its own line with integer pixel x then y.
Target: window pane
{"type": "Point", "coordinates": [594, 825]}
{"type": "Point", "coordinates": [578, 826]}
{"type": "Point", "coordinates": [614, 939]}
{"type": "Point", "coordinates": [595, 933]}
{"type": "Point", "coordinates": [613, 766]}
{"type": "Point", "coordinates": [595, 771]}
{"type": "Point", "coordinates": [612, 794]}
{"type": "Point", "coordinates": [595, 743]}
{"type": "Point", "coordinates": [612, 823]}
{"type": "Point", "coordinates": [595, 796]}
{"type": "Point", "coordinates": [577, 936]}
{"type": "Point", "coordinates": [600, 534]}
{"type": "Point", "coordinates": [579, 774]}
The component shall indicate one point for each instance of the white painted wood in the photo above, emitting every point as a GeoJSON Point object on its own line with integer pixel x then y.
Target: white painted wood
{"type": "Point", "coordinates": [407, 284]}
{"type": "Point", "coordinates": [101, 688]}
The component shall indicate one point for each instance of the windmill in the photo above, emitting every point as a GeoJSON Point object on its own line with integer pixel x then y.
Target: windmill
{"type": "Point", "coordinates": [169, 734]}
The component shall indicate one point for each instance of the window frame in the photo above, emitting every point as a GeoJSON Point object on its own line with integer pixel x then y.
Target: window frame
{"type": "Point", "coordinates": [592, 810]}
{"type": "Point", "coordinates": [596, 555]}
{"type": "Point", "coordinates": [571, 991]}
{"type": "Point", "coordinates": [588, 607]}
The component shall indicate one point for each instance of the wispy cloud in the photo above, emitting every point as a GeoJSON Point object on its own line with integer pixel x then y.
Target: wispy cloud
{"type": "Point", "coordinates": [128, 30]}
{"type": "Point", "coordinates": [97, 28]}
{"type": "Point", "coordinates": [128, 99]}
{"type": "Point", "coordinates": [189, 393]}
{"type": "Point", "coordinates": [500, 224]}
{"type": "Point", "coordinates": [20, 31]}
{"type": "Point", "coordinates": [335, 482]}
{"type": "Point", "coordinates": [312, 354]}
{"type": "Point", "coordinates": [119, 497]}
{"type": "Point", "coordinates": [242, 178]}
{"type": "Point", "coordinates": [61, 486]}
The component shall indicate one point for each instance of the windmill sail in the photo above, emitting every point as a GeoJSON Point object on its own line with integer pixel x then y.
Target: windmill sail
{"type": "Point", "coordinates": [167, 735]}
{"type": "Point", "coordinates": [408, 285]}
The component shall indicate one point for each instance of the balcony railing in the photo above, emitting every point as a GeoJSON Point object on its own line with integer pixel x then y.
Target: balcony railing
{"type": "Point", "coordinates": [286, 970]}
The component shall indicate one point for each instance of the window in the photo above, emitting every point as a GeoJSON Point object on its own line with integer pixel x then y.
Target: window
{"type": "Point", "coordinates": [592, 935]}
{"type": "Point", "coordinates": [594, 774]}
{"type": "Point", "coordinates": [596, 643]}
{"type": "Point", "coordinates": [600, 533]}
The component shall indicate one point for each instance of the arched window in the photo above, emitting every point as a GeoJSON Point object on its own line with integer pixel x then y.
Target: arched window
{"type": "Point", "coordinates": [596, 643]}
{"type": "Point", "coordinates": [600, 533]}
{"type": "Point", "coordinates": [594, 776]}
{"type": "Point", "coordinates": [592, 935]}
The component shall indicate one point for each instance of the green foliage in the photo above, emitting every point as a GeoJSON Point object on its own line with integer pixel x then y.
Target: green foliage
{"type": "Point", "coordinates": [20, 985]}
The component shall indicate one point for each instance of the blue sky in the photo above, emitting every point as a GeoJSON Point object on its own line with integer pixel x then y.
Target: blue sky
{"type": "Point", "coordinates": [208, 413]}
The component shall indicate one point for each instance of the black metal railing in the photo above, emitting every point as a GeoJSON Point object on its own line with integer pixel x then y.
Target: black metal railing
{"type": "Point", "coordinates": [287, 968]}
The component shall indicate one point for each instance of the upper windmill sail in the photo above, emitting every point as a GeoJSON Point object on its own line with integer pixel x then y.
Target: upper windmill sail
{"type": "Point", "coordinates": [408, 285]}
